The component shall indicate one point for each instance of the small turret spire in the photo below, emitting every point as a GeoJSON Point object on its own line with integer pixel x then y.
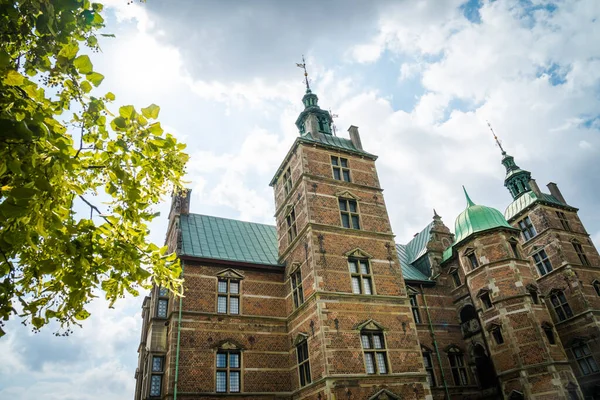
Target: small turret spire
{"type": "Point", "coordinates": [496, 138]}
{"type": "Point", "coordinates": [469, 201]}
{"type": "Point", "coordinates": [303, 66]}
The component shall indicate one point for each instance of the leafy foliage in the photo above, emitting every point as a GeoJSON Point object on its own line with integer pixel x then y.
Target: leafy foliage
{"type": "Point", "coordinates": [59, 151]}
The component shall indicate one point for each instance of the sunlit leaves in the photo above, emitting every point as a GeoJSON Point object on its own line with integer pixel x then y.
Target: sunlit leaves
{"type": "Point", "coordinates": [54, 261]}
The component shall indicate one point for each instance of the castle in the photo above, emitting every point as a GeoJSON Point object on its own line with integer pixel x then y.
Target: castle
{"type": "Point", "coordinates": [325, 305]}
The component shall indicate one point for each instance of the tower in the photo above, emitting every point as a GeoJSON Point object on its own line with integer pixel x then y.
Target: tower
{"type": "Point", "coordinates": [350, 323]}
{"type": "Point", "coordinates": [511, 322]}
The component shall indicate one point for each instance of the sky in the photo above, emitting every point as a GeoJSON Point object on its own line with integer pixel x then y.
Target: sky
{"type": "Point", "coordinates": [419, 78]}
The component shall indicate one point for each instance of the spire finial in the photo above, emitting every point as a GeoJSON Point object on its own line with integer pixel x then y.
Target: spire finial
{"type": "Point", "coordinates": [469, 201]}
{"type": "Point", "coordinates": [435, 214]}
{"type": "Point", "coordinates": [303, 66]}
{"type": "Point", "coordinates": [496, 138]}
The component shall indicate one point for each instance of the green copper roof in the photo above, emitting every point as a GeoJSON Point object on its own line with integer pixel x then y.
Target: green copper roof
{"type": "Point", "coordinates": [411, 252]}
{"type": "Point", "coordinates": [527, 199]}
{"type": "Point", "coordinates": [447, 254]}
{"type": "Point", "coordinates": [476, 218]}
{"type": "Point", "coordinates": [227, 239]}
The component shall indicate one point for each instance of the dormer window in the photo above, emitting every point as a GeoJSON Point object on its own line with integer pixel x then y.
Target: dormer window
{"type": "Point", "coordinates": [340, 168]}
{"type": "Point", "coordinates": [527, 228]}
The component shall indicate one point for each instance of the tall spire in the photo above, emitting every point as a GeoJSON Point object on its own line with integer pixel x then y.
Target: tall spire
{"type": "Point", "coordinates": [313, 120]}
{"type": "Point", "coordinates": [469, 201]}
{"type": "Point", "coordinates": [303, 66]}
{"type": "Point", "coordinates": [517, 179]}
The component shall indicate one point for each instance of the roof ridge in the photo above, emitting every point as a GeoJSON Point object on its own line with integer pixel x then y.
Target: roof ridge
{"type": "Point", "coordinates": [231, 219]}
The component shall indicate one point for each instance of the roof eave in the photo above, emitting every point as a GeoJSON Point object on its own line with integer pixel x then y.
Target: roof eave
{"type": "Point", "coordinates": [326, 145]}
{"type": "Point", "coordinates": [233, 263]}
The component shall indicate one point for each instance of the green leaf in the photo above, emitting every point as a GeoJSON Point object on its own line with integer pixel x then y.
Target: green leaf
{"type": "Point", "coordinates": [95, 78]}
{"type": "Point", "coordinates": [126, 111]}
{"type": "Point", "coordinates": [119, 122]}
{"type": "Point", "coordinates": [83, 64]}
{"type": "Point", "coordinates": [110, 96]}
{"type": "Point", "coordinates": [37, 322]}
{"type": "Point", "coordinates": [151, 111]}
{"type": "Point", "coordinates": [156, 129]}
{"type": "Point", "coordinates": [69, 51]}
{"type": "Point", "coordinates": [86, 87]}
{"type": "Point", "coordinates": [13, 78]}
{"type": "Point", "coordinates": [4, 59]}
{"type": "Point", "coordinates": [23, 193]}
{"type": "Point", "coordinates": [81, 315]}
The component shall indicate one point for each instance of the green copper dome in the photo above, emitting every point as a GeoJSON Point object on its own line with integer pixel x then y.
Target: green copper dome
{"type": "Point", "coordinates": [476, 218]}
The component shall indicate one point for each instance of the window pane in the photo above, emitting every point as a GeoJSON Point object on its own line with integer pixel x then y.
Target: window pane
{"type": "Point", "coordinates": [452, 358]}
{"type": "Point", "coordinates": [352, 206]}
{"type": "Point", "coordinates": [334, 161]}
{"type": "Point", "coordinates": [381, 367]}
{"type": "Point", "coordinates": [234, 305]}
{"type": "Point", "coordinates": [344, 162]}
{"type": "Point", "coordinates": [367, 286]}
{"type": "Point", "coordinates": [364, 267]}
{"type": "Point", "coordinates": [294, 281]}
{"type": "Point", "coordinates": [353, 266]}
{"type": "Point", "coordinates": [222, 304]}
{"type": "Point", "coordinates": [345, 220]}
{"type": "Point", "coordinates": [222, 286]}
{"type": "Point", "coordinates": [370, 363]}
{"type": "Point", "coordinates": [162, 308]}
{"type": "Point", "coordinates": [155, 385]}
{"type": "Point", "coordinates": [301, 295]}
{"type": "Point", "coordinates": [584, 367]}
{"type": "Point", "coordinates": [221, 381]}
{"type": "Point", "coordinates": [221, 360]}
{"type": "Point", "coordinates": [366, 343]}
{"type": "Point", "coordinates": [463, 376]}
{"type": "Point", "coordinates": [157, 363]}
{"type": "Point", "coordinates": [355, 285]}
{"type": "Point", "coordinates": [234, 360]}
{"type": "Point", "coordinates": [163, 292]}
{"type": "Point", "coordinates": [355, 222]}
{"type": "Point", "coordinates": [336, 174]}
{"type": "Point", "coordinates": [346, 175]}
{"type": "Point", "coordinates": [234, 381]}
{"type": "Point", "coordinates": [593, 365]}
{"type": "Point", "coordinates": [343, 205]}
{"type": "Point", "coordinates": [234, 287]}
{"type": "Point", "coordinates": [378, 341]}
{"type": "Point", "coordinates": [426, 360]}
{"type": "Point", "coordinates": [296, 303]}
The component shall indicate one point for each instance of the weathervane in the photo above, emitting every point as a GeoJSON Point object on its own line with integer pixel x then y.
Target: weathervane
{"type": "Point", "coordinates": [303, 66]}
{"type": "Point", "coordinates": [496, 137]}
{"type": "Point", "coordinates": [334, 128]}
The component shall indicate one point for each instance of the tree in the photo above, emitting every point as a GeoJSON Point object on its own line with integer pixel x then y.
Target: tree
{"type": "Point", "coordinates": [61, 148]}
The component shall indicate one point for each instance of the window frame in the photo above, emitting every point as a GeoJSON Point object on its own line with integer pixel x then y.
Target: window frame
{"type": "Point", "coordinates": [496, 333]}
{"type": "Point", "coordinates": [562, 217]}
{"type": "Point", "coordinates": [526, 227]}
{"type": "Point", "coordinates": [292, 228]}
{"type": "Point", "coordinates": [414, 305]}
{"type": "Point", "coordinates": [430, 370]}
{"type": "Point", "coordinates": [455, 278]}
{"type": "Point", "coordinates": [347, 211]}
{"type": "Point", "coordinates": [486, 300]}
{"type": "Point", "coordinates": [472, 258]}
{"type": "Point", "coordinates": [580, 253]}
{"type": "Point", "coordinates": [542, 262]}
{"type": "Point", "coordinates": [361, 276]}
{"type": "Point", "coordinates": [163, 298]}
{"type": "Point", "coordinates": [562, 309]}
{"type": "Point", "coordinates": [297, 289]}
{"type": "Point", "coordinates": [585, 358]}
{"type": "Point", "coordinates": [596, 286]}
{"type": "Point", "coordinates": [341, 166]}
{"type": "Point", "coordinates": [458, 367]}
{"type": "Point", "coordinates": [228, 295]}
{"type": "Point", "coordinates": [549, 332]}
{"type": "Point", "coordinates": [304, 377]}
{"type": "Point", "coordinates": [228, 370]}
{"type": "Point", "coordinates": [377, 355]}
{"type": "Point", "coordinates": [514, 246]}
{"type": "Point", "coordinates": [287, 181]}
{"type": "Point", "coordinates": [156, 373]}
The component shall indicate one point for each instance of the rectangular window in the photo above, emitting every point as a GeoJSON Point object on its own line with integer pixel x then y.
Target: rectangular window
{"type": "Point", "coordinates": [542, 262]}
{"type": "Point", "coordinates": [456, 278]}
{"type": "Point", "coordinates": [303, 363]}
{"type": "Point", "coordinates": [583, 355]}
{"type": "Point", "coordinates": [561, 306]}
{"type": "Point", "coordinates": [473, 260]}
{"type": "Point", "coordinates": [349, 213]}
{"type": "Point", "coordinates": [515, 248]}
{"type": "Point", "coordinates": [163, 292]}
{"type": "Point", "coordinates": [161, 308]}
{"type": "Point", "coordinates": [375, 354]}
{"type": "Point", "coordinates": [459, 372]}
{"type": "Point", "coordinates": [228, 299]}
{"type": "Point", "coordinates": [582, 257]}
{"type": "Point", "coordinates": [549, 334]}
{"type": "Point", "coordinates": [486, 301]}
{"type": "Point", "coordinates": [297, 292]}
{"type": "Point", "coordinates": [534, 296]}
{"type": "Point", "coordinates": [527, 228]}
{"type": "Point", "coordinates": [563, 220]}
{"type": "Point", "coordinates": [497, 334]}
{"type": "Point", "coordinates": [340, 168]}
{"type": "Point", "coordinates": [228, 371]}
{"type": "Point", "coordinates": [155, 385]}
{"type": "Point", "coordinates": [429, 368]}
{"type": "Point", "coordinates": [291, 224]}
{"type": "Point", "coordinates": [415, 308]}
{"type": "Point", "coordinates": [287, 181]}
{"type": "Point", "coordinates": [157, 363]}
{"type": "Point", "coordinates": [360, 273]}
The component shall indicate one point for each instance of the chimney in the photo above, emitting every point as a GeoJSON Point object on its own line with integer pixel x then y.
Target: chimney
{"type": "Point", "coordinates": [312, 126]}
{"type": "Point", "coordinates": [355, 137]}
{"type": "Point", "coordinates": [554, 191]}
{"type": "Point", "coordinates": [534, 187]}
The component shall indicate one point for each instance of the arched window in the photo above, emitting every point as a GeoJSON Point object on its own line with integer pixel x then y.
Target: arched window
{"type": "Point", "coordinates": [469, 322]}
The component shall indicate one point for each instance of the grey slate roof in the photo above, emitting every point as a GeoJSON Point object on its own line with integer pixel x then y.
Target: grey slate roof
{"type": "Point", "coordinates": [218, 238]}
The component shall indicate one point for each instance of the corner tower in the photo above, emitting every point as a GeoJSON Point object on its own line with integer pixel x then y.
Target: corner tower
{"type": "Point", "coordinates": [351, 330]}
{"type": "Point", "coordinates": [516, 329]}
